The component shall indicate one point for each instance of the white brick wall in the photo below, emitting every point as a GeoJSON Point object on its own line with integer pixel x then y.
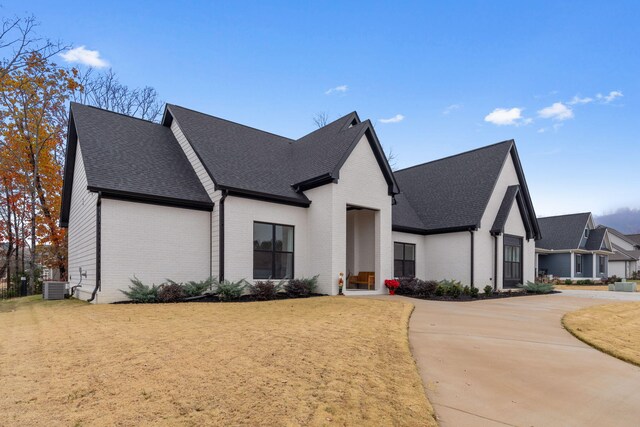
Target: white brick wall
{"type": "Point", "coordinates": [82, 231]}
{"type": "Point", "coordinates": [152, 242]}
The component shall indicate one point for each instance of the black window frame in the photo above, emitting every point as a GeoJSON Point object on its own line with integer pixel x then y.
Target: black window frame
{"type": "Point", "coordinates": [273, 251]}
{"type": "Point", "coordinates": [512, 271]}
{"type": "Point", "coordinates": [581, 263]}
{"type": "Point", "coordinates": [404, 260]}
{"type": "Point", "coordinates": [586, 233]}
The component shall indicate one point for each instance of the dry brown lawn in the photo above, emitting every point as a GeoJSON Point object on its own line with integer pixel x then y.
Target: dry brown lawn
{"type": "Point", "coordinates": [611, 328]}
{"type": "Point", "coordinates": [317, 361]}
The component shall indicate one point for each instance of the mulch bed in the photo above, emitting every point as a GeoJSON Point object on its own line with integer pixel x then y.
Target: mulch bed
{"type": "Point", "coordinates": [214, 298]}
{"type": "Point", "coordinates": [481, 296]}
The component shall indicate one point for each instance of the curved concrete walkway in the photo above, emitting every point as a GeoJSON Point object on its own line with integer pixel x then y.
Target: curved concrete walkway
{"type": "Point", "coordinates": [510, 362]}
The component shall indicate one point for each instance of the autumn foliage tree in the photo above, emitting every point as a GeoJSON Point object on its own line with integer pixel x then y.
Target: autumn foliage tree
{"type": "Point", "coordinates": [33, 115]}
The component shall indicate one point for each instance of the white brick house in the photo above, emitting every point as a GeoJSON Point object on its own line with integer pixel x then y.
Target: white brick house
{"type": "Point", "coordinates": [197, 196]}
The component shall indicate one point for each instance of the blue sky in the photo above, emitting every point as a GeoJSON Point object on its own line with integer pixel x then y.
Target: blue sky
{"type": "Point", "coordinates": [561, 78]}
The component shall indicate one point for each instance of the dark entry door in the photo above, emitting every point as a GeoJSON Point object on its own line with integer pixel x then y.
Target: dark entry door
{"type": "Point", "coordinates": [512, 261]}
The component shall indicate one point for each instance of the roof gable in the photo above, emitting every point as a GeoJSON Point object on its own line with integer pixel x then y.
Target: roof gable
{"type": "Point", "coordinates": [563, 231]}
{"type": "Point", "coordinates": [452, 194]}
{"type": "Point", "coordinates": [129, 157]}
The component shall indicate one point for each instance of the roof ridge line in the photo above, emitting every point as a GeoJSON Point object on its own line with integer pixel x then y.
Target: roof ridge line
{"type": "Point", "coordinates": [456, 155]}
{"type": "Point", "coordinates": [571, 214]}
{"type": "Point", "coordinates": [231, 121]}
{"type": "Point", "coordinates": [327, 125]}
{"type": "Point", "coordinates": [114, 112]}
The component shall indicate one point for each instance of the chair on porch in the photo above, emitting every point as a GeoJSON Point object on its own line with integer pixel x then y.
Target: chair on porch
{"type": "Point", "coordinates": [366, 278]}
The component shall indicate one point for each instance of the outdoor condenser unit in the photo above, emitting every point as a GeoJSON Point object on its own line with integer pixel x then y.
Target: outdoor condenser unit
{"type": "Point", "coordinates": [54, 290]}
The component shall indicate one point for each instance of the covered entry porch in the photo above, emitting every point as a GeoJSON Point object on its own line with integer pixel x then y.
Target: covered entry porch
{"type": "Point", "coordinates": [362, 272]}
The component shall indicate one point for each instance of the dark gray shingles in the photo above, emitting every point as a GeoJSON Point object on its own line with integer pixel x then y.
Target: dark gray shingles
{"type": "Point", "coordinates": [404, 216]}
{"type": "Point", "coordinates": [563, 231]}
{"type": "Point", "coordinates": [595, 239]}
{"type": "Point", "coordinates": [130, 155]}
{"type": "Point", "coordinates": [620, 254]}
{"type": "Point", "coordinates": [634, 238]}
{"type": "Point", "coordinates": [505, 208]}
{"type": "Point", "coordinates": [453, 192]}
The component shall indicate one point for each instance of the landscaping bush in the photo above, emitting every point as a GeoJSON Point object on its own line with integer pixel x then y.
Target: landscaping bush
{"type": "Point", "coordinates": [407, 286]}
{"type": "Point", "coordinates": [265, 290]}
{"type": "Point", "coordinates": [538, 288]}
{"type": "Point", "coordinates": [425, 288]}
{"type": "Point", "coordinates": [228, 291]}
{"type": "Point", "coordinates": [474, 292]}
{"type": "Point", "coordinates": [466, 290]}
{"type": "Point", "coordinates": [440, 291]}
{"type": "Point", "coordinates": [454, 291]}
{"type": "Point", "coordinates": [303, 287]}
{"type": "Point", "coordinates": [568, 282]}
{"type": "Point", "coordinates": [194, 289]}
{"type": "Point", "coordinates": [171, 292]}
{"type": "Point", "coordinates": [588, 282]}
{"type": "Point", "coordinates": [139, 292]}
{"type": "Point", "coordinates": [488, 290]}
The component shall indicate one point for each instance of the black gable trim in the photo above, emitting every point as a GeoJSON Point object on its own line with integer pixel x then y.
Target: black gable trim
{"type": "Point", "coordinates": [264, 197]}
{"type": "Point", "coordinates": [378, 152]}
{"type": "Point", "coordinates": [524, 189]}
{"type": "Point", "coordinates": [423, 232]}
{"type": "Point", "coordinates": [315, 182]}
{"type": "Point", "coordinates": [150, 199]}
{"type": "Point", "coordinates": [512, 194]}
{"type": "Point", "coordinates": [69, 168]}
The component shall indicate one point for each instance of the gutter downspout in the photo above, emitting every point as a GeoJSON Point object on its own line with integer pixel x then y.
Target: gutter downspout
{"type": "Point", "coordinates": [221, 235]}
{"type": "Point", "coordinates": [472, 250]}
{"type": "Point", "coordinates": [495, 263]}
{"type": "Point", "coordinates": [98, 238]}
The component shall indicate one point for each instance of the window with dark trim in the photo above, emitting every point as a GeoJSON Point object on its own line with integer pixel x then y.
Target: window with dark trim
{"type": "Point", "coordinates": [404, 259]}
{"type": "Point", "coordinates": [586, 233]}
{"type": "Point", "coordinates": [601, 264]}
{"type": "Point", "coordinates": [272, 251]}
{"type": "Point", "coordinates": [578, 263]}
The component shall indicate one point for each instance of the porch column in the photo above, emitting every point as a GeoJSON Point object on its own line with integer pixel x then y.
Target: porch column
{"type": "Point", "coordinates": [594, 258]}
{"type": "Point", "coordinates": [573, 262]}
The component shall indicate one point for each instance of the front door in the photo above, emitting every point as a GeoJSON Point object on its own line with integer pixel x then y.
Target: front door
{"type": "Point", "coordinates": [512, 275]}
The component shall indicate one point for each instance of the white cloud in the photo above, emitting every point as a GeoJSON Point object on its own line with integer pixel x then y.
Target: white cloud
{"type": "Point", "coordinates": [337, 89]}
{"type": "Point", "coordinates": [451, 108]}
{"type": "Point", "coordinates": [557, 111]}
{"type": "Point", "coordinates": [395, 119]}
{"type": "Point", "coordinates": [84, 57]}
{"type": "Point", "coordinates": [505, 117]}
{"type": "Point", "coordinates": [577, 100]}
{"type": "Point", "coordinates": [608, 98]}
{"type": "Point", "coordinates": [542, 130]}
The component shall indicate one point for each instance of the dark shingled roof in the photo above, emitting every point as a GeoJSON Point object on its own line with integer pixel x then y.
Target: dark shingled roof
{"type": "Point", "coordinates": [122, 154]}
{"type": "Point", "coordinates": [619, 234]}
{"type": "Point", "coordinates": [246, 159]}
{"type": "Point", "coordinates": [634, 237]}
{"type": "Point", "coordinates": [595, 239]}
{"type": "Point", "coordinates": [505, 208]}
{"type": "Point", "coordinates": [563, 231]}
{"type": "Point", "coordinates": [452, 193]}
{"type": "Point", "coordinates": [620, 254]}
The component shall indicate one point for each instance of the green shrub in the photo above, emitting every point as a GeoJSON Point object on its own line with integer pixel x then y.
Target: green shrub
{"type": "Point", "coordinates": [425, 288]}
{"type": "Point", "coordinates": [139, 292]}
{"type": "Point", "coordinates": [488, 290]}
{"type": "Point", "coordinates": [466, 290]}
{"type": "Point", "coordinates": [440, 290]}
{"type": "Point", "coordinates": [588, 282]}
{"type": "Point", "coordinates": [171, 292]}
{"type": "Point", "coordinates": [538, 288]}
{"type": "Point", "coordinates": [454, 291]}
{"type": "Point", "coordinates": [474, 292]}
{"type": "Point", "coordinates": [194, 289]}
{"type": "Point", "coordinates": [568, 282]}
{"type": "Point", "coordinates": [408, 286]}
{"type": "Point", "coordinates": [228, 291]}
{"type": "Point", "coordinates": [265, 290]}
{"type": "Point", "coordinates": [303, 287]}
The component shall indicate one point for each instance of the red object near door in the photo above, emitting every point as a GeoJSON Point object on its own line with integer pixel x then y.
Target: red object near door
{"type": "Point", "coordinates": [392, 291]}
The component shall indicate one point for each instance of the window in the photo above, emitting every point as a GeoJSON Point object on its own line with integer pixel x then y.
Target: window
{"type": "Point", "coordinates": [272, 251]}
{"type": "Point", "coordinates": [512, 261]}
{"type": "Point", "coordinates": [601, 264]}
{"type": "Point", "coordinates": [578, 263]}
{"type": "Point", "coordinates": [404, 259]}
{"type": "Point", "coordinates": [586, 233]}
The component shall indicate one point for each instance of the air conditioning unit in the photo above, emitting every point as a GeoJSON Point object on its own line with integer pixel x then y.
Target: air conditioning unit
{"type": "Point", "coordinates": [54, 290]}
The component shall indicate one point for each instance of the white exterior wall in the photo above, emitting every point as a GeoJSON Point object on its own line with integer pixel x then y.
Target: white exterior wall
{"type": "Point", "coordinates": [619, 268]}
{"type": "Point", "coordinates": [82, 231]}
{"type": "Point", "coordinates": [209, 187]}
{"type": "Point", "coordinates": [448, 256]}
{"type": "Point", "coordinates": [240, 214]}
{"type": "Point", "coordinates": [421, 257]}
{"type": "Point", "coordinates": [153, 243]}
{"type": "Point", "coordinates": [361, 184]}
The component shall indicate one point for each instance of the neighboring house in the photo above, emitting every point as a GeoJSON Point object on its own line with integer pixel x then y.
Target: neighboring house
{"type": "Point", "coordinates": [573, 248]}
{"type": "Point", "coordinates": [197, 196]}
{"type": "Point", "coordinates": [635, 238]}
{"type": "Point", "coordinates": [626, 253]}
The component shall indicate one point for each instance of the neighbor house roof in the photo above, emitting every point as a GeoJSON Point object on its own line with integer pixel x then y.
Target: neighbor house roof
{"type": "Point", "coordinates": [129, 157]}
{"type": "Point", "coordinates": [595, 241]}
{"type": "Point", "coordinates": [563, 231]}
{"type": "Point", "coordinates": [451, 194]}
{"type": "Point", "coordinates": [622, 236]}
{"type": "Point", "coordinates": [635, 238]}
{"type": "Point", "coordinates": [620, 254]}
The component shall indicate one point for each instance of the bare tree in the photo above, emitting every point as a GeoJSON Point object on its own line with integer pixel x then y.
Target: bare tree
{"type": "Point", "coordinates": [18, 40]}
{"type": "Point", "coordinates": [105, 91]}
{"type": "Point", "coordinates": [321, 119]}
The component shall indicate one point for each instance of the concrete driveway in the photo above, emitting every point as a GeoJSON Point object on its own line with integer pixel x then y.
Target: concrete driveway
{"type": "Point", "coordinates": [510, 362]}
